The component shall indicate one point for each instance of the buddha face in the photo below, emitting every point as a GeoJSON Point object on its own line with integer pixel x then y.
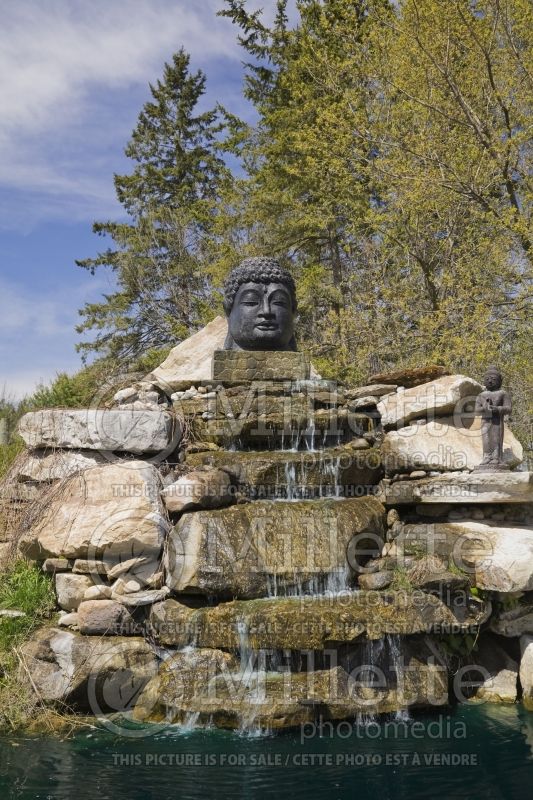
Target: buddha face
{"type": "Point", "coordinates": [493, 381]}
{"type": "Point", "coordinates": [262, 317]}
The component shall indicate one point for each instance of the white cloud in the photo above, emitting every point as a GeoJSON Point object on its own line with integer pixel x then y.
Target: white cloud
{"type": "Point", "coordinates": [52, 52]}
{"type": "Point", "coordinates": [43, 315]}
{"type": "Point", "coordinates": [72, 73]}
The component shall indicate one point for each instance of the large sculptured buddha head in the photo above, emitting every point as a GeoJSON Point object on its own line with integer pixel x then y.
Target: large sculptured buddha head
{"type": "Point", "coordinates": [260, 304]}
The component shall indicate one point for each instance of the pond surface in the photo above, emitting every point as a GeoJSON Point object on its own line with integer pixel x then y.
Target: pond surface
{"type": "Point", "coordinates": [473, 752]}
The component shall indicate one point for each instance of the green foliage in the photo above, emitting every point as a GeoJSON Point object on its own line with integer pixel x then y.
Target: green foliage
{"type": "Point", "coordinates": [390, 162]}
{"type": "Point", "coordinates": [401, 581]}
{"type": "Point", "coordinates": [24, 588]}
{"type": "Point", "coordinates": [461, 646]}
{"type": "Point", "coordinates": [161, 255]}
{"type": "Point", "coordinates": [8, 454]}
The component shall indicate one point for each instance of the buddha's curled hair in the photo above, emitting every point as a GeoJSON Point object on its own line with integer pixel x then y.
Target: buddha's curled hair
{"type": "Point", "coordinates": [257, 270]}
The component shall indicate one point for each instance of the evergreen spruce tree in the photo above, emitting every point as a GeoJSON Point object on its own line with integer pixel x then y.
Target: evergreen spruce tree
{"type": "Point", "coordinates": [159, 258]}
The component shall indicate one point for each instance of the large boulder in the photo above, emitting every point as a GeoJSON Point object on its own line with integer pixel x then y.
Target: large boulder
{"type": "Point", "coordinates": [437, 398]}
{"type": "Point", "coordinates": [112, 512]}
{"type": "Point", "coordinates": [310, 623]}
{"type": "Point", "coordinates": [268, 547]}
{"type": "Point", "coordinates": [191, 361]}
{"type": "Point", "coordinates": [443, 445]}
{"type": "Point", "coordinates": [496, 558]}
{"type": "Point", "coordinates": [461, 488]}
{"type": "Point", "coordinates": [92, 673]}
{"type": "Point", "coordinates": [108, 430]}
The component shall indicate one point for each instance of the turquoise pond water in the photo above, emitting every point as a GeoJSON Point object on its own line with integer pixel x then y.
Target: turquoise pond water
{"type": "Point", "coordinates": [473, 752]}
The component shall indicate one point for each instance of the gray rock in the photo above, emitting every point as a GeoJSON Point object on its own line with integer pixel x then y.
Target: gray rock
{"type": "Point", "coordinates": [57, 565]}
{"type": "Point", "coordinates": [437, 398]}
{"type": "Point", "coordinates": [11, 613]}
{"type": "Point", "coordinates": [129, 565]}
{"type": "Point", "coordinates": [376, 580]}
{"type": "Point", "coordinates": [84, 566]}
{"type": "Point", "coordinates": [201, 488]}
{"type": "Point", "coordinates": [103, 618]}
{"type": "Point", "coordinates": [138, 432]}
{"type": "Point", "coordinates": [495, 558]}
{"type": "Point", "coordinates": [142, 598]}
{"type": "Point", "coordinates": [191, 361]}
{"type": "Point", "coordinates": [362, 402]}
{"type": "Point", "coordinates": [112, 511]}
{"type": "Point", "coordinates": [526, 671]}
{"type": "Point", "coordinates": [495, 672]}
{"type": "Point", "coordinates": [54, 465]}
{"type": "Point", "coordinates": [94, 674]}
{"type": "Point", "coordinates": [70, 589]}
{"type": "Point", "coordinates": [68, 620]}
{"type": "Point", "coordinates": [97, 592]}
{"type": "Point", "coordinates": [372, 390]}
{"type": "Point", "coordinates": [514, 622]}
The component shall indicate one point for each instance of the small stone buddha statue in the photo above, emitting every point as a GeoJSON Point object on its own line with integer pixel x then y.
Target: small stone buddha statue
{"type": "Point", "coordinates": [492, 405]}
{"type": "Point", "coordinates": [260, 304]}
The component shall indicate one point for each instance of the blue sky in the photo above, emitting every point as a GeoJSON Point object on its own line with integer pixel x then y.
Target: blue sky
{"type": "Point", "coordinates": [74, 75]}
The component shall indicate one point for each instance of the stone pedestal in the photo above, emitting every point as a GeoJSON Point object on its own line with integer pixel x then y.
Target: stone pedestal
{"type": "Point", "coordinates": [239, 366]}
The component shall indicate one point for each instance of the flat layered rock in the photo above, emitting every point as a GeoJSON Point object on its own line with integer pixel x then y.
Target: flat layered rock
{"type": "Point", "coordinates": [461, 488]}
{"type": "Point", "coordinates": [264, 547]}
{"type": "Point", "coordinates": [252, 701]}
{"type": "Point", "coordinates": [437, 398]}
{"type": "Point", "coordinates": [494, 557]}
{"type": "Point", "coordinates": [442, 445]}
{"type": "Point", "coordinates": [94, 674]}
{"type": "Point", "coordinates": [334, 471]}
{"type": "Point", "coordinates": [372, 390]}
{"type": "Point", "coordinates": [114, 429]}
{"type": "Point", "coordinates": [113, 511]}
{"type": "Point", "coordinates": [311, 623]}
{"type": "Point", "coordinates": [409, 377]}
{"type": "Point", "coordinates": [297, 426]}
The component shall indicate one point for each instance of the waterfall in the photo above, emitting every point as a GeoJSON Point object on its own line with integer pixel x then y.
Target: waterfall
{"type": "Point", "coordinates": [327, 584]}
{"type": "Point", "coordinates": [396, 665]}
{"type": "Point", "coordinates": [310, 436]}
{"type": "Point", "coordinates": [290, 481]}
{"type": "Point", "coordinates": [332, 469]}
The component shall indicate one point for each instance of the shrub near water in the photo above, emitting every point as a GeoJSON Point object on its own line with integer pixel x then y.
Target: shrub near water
{"type": "Point", "coordinates": [24, 588]}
